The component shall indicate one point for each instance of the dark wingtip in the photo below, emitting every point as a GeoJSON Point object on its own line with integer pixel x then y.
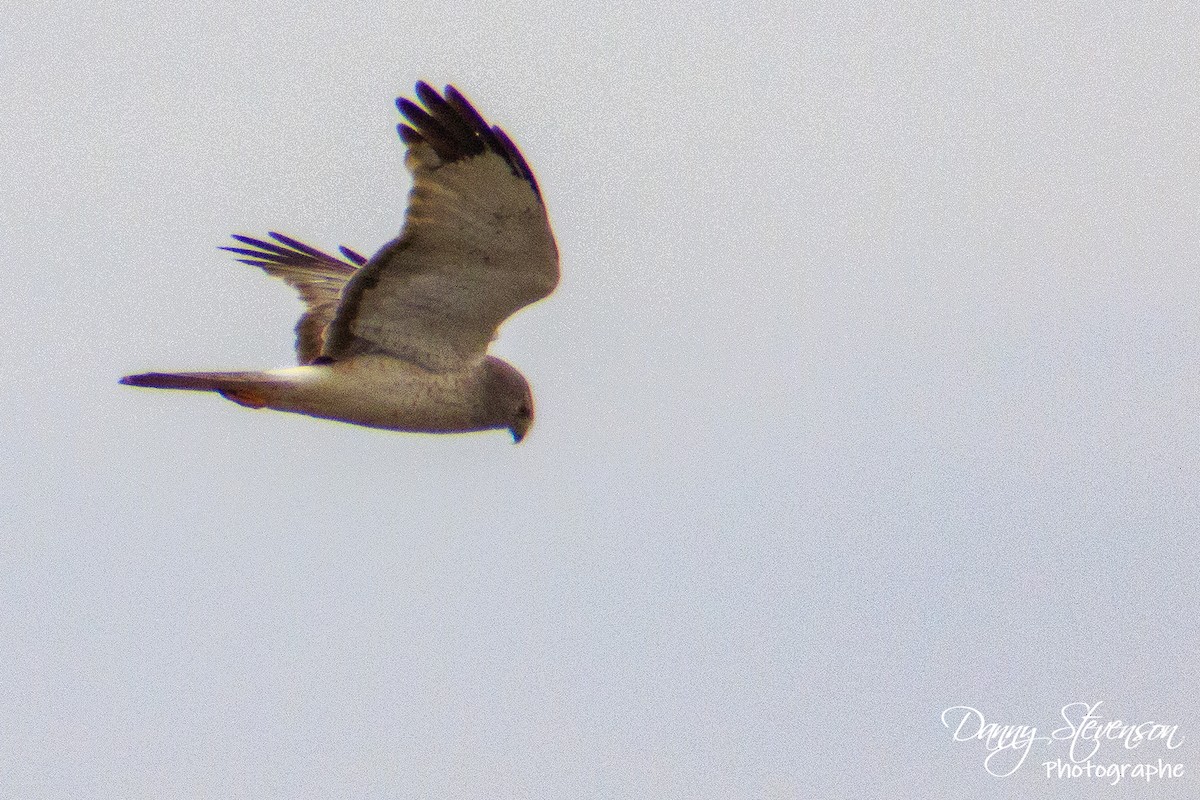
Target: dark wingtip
{"type": "Point", "coordinates": [515, 160]}
{"type": "Point", "coordinates": [407, 134]}
{"type": "Point", "coordinates": [243, 251]}
{"type": "Point", "coordinates": [454, 117]}
{"type": "Point", "coordinates": [250, 240]}
{"type": "Point", "coordinates": [287, 251]}
{"type": "Point", "coordinates": [426, 93]}
{"type": "Point", "coordinates": [299, 246]}
{"type": "Point", "coordinates": [357, 258]}
{"type": "Point", "coordinates": [410, 109]}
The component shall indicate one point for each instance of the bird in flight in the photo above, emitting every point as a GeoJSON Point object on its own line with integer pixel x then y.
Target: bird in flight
{"type": "Point", "coordinates": [399, 341]}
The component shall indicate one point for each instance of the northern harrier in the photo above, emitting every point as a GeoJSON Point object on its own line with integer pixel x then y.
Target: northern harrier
{"type": "Point", "coordinates": [400, 341]}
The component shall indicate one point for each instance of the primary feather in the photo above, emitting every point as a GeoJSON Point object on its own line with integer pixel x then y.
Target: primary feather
{"type": "Point", "coordinates": [318, 277]}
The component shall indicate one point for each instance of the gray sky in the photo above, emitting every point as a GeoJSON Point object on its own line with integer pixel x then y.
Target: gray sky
{"type": "Point", "coordinates": [870, 390]}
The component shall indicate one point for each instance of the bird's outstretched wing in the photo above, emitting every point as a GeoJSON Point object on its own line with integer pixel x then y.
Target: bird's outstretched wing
{"type": "Point", "coordinates": [319, 277]}
{"type": "Point", "coordinates": [476, 245]}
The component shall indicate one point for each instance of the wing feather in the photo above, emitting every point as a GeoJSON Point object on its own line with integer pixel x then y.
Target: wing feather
{"type": "Point", "coordinates": [318, 277]}
{"type": "Point", "coordinates": [476, 245]}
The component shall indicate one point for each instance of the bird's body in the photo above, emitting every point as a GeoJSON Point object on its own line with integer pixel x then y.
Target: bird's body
{"type": "Point", "coordinates": [374, 391]}
{"type": "Point", "coordinates": [400, 341]}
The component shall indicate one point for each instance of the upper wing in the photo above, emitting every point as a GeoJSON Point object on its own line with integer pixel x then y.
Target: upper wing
{"type": "Point", "coordinates": [475, 247]}
{"type": "Point", "coordinates": [319, 277]}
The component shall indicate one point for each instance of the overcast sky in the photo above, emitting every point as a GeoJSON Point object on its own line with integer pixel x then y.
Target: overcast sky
{"type": "Point", "coordinates": [870, 390]}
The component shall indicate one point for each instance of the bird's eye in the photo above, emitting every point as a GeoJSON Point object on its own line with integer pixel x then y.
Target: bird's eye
{"type": "Point", "coordinates": [523, 411]}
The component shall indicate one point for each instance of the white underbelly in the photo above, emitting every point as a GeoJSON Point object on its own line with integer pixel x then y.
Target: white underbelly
{"type": "Point", "coordinates": [379, 392]}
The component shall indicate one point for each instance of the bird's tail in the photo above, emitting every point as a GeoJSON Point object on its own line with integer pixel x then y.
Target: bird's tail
{"type": "Point", "coordinates": [247, 388]}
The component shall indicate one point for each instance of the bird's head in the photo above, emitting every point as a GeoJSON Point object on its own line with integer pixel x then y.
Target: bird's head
{"type": "Point", "coordinates": [508, 399]}
{"type": "Point", "coordinates": [522, 422]}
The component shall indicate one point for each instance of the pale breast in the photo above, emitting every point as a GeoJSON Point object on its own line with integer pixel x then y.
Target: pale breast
{"type": "Point", "coordinates": [382, 392]}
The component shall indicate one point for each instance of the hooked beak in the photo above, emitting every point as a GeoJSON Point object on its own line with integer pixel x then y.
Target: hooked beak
{"type": "Point", "coordinates": [518, 431]}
